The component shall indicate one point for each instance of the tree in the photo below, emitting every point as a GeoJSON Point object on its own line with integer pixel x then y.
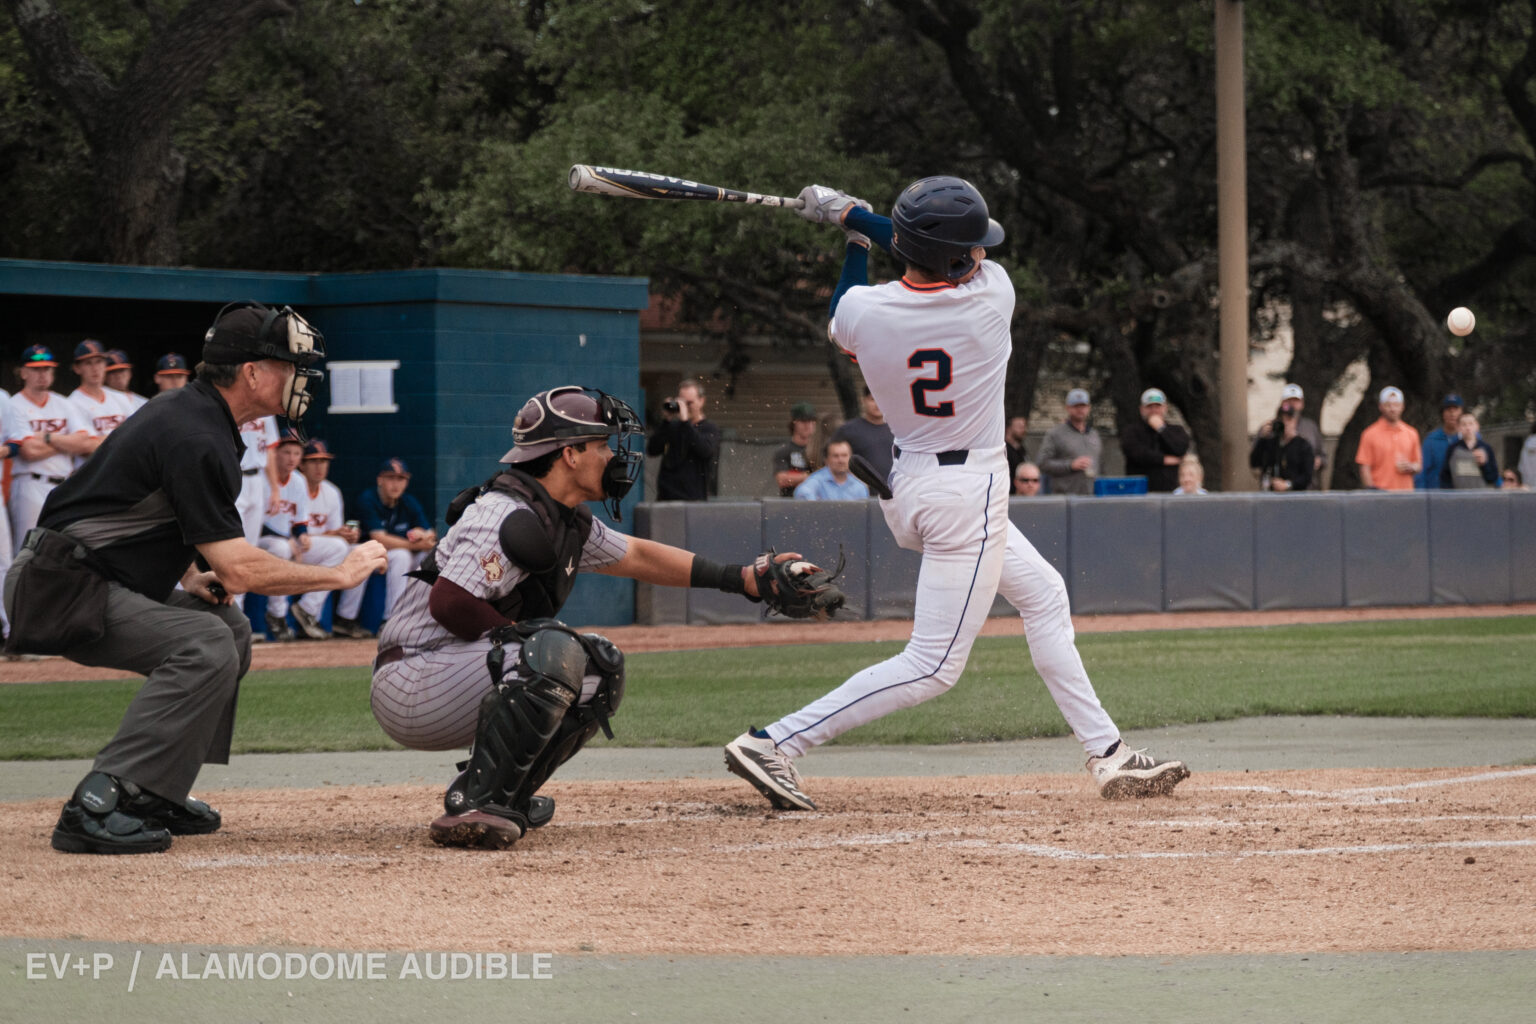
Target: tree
{"type": "Point", "coordinates": [127, 123]}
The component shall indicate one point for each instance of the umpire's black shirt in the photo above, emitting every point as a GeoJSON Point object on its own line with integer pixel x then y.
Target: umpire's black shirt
{"type": "Point", "coordinates": [162, 482]}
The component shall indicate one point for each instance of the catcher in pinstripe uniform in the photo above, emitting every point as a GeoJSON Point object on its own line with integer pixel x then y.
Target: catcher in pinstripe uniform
{"type": "Point", "coordinates": [475, 654]}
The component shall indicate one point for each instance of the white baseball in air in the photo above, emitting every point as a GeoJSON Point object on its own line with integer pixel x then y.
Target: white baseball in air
{"type": "Point", "coordinates": [800, 568]}
{"type": "Point", "coordinates": [1461, 321]}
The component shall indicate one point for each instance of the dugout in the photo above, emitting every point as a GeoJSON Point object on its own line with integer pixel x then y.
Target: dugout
{"type": "Point", "coordinates": [468, 347]}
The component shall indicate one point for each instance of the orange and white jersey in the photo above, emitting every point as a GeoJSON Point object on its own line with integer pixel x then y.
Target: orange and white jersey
{"type": "Point", "coordinates": [325, 512]}
{"type": "Point", "coordinates": [24, 418]}
{"type": "Point", "coordinates": [104, 415]}
{"type": "Point", "coordinates": [934, 356]}
{"type": "Point", "coordinates": [292, 507]}
{"type": "Point", "coordinates": [259, 435]}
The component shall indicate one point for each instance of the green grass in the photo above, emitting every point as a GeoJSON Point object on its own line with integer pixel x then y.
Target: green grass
{"type": "Point", "coordinates": [1447, 668]}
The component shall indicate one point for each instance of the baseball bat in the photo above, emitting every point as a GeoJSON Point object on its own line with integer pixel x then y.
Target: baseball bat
{"type": "Point", "coordinates": [611, 181]}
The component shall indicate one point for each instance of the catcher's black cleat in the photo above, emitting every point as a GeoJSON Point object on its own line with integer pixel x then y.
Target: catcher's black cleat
{"type": "Point", "coordinates": [480, 829]}
{"type": "Point", "coordinates": [92, 823]}
{"type": "Point", "coordinates": [773, 772]}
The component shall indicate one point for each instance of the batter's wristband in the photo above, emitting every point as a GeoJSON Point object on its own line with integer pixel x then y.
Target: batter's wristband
{"type": "Point", "coordinates": [716, 576]}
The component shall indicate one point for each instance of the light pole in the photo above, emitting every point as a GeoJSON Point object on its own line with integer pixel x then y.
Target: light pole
{"type": "Point", "coordinates": [1232, 245]}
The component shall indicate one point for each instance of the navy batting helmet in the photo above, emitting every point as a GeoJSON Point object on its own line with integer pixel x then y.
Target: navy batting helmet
{"type": "Point", "coordinates": [937, 221]}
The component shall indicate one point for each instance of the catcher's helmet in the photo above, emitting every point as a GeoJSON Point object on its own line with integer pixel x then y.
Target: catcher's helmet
{"type": "Point", "coordinates": [936, 222]}
{"type": "Point", "coordinates": [568, 415]}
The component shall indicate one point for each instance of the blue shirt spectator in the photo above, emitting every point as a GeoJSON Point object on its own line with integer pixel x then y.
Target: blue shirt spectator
{"type": "Point", "coordinates": [833, 482]}
{"type": "Point", "coordinates": [1432, 462]}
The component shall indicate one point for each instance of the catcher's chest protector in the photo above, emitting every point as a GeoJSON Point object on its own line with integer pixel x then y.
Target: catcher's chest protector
{"type": "Point", "coordinates": [545, 540]}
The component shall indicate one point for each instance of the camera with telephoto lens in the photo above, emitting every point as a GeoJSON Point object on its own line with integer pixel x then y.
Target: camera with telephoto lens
{"type": "Point", "coordinates": [670, 405]}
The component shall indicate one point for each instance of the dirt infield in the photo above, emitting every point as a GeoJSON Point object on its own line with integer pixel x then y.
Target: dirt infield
{"type": "Point", "coordinates": [1283, 862]}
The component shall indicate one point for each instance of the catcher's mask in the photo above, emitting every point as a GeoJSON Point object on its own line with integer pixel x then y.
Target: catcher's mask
{"type": "Point", "coordinates": [244, 332]}
{"type": "Point", "coordinates": [564, 416]}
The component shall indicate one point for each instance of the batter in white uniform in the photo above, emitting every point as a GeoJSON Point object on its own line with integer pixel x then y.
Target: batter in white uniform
{"type": "Point", "coordinates": [45, 432]}
{"type": "Point", "coordinates": [934, 348]}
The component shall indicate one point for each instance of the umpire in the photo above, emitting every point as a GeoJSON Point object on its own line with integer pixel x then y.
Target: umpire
{"type": "Point", "coordinates": [154, 508]}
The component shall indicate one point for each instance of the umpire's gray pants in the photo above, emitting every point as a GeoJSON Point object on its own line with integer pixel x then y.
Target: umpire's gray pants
{"type": "Point", "coordinates": [194, 655]}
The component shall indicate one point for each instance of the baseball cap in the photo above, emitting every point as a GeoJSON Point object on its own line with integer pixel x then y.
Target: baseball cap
{"type": "Point", "coordinates": [1077, 396]}
{"type": "Point", "coordinates": [117, 359]}
{"type": "Point", "coordinates": [802, 411]}
{"type": "Point", "coordinates": [89, 349]}
{"type": "Point", "coordinates": [172, 362]}
{"type": "Point", "coordinates": [1390, 394]}
{"type": "Point", "coordinates": [1290, 391]}
{"type": "Point", "coordinates": [315, 448]}
{"type": "Point", "coordinates": [1152, 396]}
{"type": "Point", "coordinates": [394, 467]}
{"type": "Point", "coordinates": [37, 355]}
{"type": "Point", "coordinates": [1452, 399]}
{"type": "Point", "coordinates": [289, 438]}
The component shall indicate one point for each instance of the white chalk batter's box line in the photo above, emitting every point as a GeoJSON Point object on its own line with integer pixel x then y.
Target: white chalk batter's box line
{"type": "Point", "coordinates": [1363, 791]}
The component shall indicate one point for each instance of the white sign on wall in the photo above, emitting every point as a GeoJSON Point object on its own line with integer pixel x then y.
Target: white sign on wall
{"type": "Point", "coordinates": [362, 385]}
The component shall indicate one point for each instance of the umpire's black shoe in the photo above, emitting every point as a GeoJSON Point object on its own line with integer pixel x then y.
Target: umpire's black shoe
{"type": "Point", "coordinates": [540, 810]}
{"type": "Point", "coordinates": [189, 818]}
{"type": "Point", "coordinates": [93, 823]}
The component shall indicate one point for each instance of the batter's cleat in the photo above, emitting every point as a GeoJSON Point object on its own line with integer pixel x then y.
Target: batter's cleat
{"type": "Point", "coordinates": [479, 829]}
{"type": "Point", "coordinates": [760, 762]}
{"type": "Point", "coordinates": [349, 628]}
{"type": "Point", "coordinates": [540, 810]}
{"type": "Point", "coordinates": [92, 822]}
{"type": "Point", "coordinates": [279, 629]}
{"type": "Point", "coordinates": [1126, 774]}
{"type": "Point", "coordinates": [308, 624]}
{"type": "Point", "coordinates": [189, 818]}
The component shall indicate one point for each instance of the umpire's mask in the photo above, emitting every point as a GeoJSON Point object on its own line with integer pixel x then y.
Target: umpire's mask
{"type": "Point", "coordinates": [247, 331]}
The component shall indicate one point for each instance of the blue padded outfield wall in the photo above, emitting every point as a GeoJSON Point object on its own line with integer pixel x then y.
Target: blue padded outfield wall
{"type": "Point", "coordinates": [1148, 554]}
{"type": "Point", "coordinates": [472, 347]}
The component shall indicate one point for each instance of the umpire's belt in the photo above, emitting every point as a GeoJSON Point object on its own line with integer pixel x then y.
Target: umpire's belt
{"type": "Point", "coordinates": [954, 458]}
{"type": "Point", "coordinates": [388, 656]}
{"type": "Point", "coordinates": [50, 479]}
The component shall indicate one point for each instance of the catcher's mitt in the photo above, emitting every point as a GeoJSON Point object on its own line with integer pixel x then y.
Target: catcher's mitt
{"type": "Point", "coordinates": [798, 589]}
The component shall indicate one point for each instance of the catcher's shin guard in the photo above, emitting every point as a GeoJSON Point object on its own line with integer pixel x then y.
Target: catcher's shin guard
{"type": "Point", "coordinates": [583, 721]}
{"type": "Point", "coordinates": [518, 719]}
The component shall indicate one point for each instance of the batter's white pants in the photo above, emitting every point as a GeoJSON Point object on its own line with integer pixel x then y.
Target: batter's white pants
{"type": "Point", "coordinates": [322, 551]}
{"type": "Point", "coordinates": [957, 516]}
{"type": "Point", "coordinates": [401, 561]}
{"type": "Point", "coordinates": [431, 700]}
{"type": "Point", "coordinates": [27, 496]}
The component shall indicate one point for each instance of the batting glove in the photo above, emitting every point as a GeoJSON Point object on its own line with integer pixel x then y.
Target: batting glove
{"type": "Point", "coordinates": [825, 205]}
{"type": "Point", "coordinates": [856, 237]}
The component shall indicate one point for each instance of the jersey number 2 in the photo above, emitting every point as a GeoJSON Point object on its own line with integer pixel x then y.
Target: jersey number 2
{"type": "Point", "coordinates": [942, 376]}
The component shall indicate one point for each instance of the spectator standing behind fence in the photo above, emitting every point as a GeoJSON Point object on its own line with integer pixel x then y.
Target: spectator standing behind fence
{"type": "Point", "coordinates": [1512, 481]}
{"type": "Point", "coordinates": [689, 446]}
{"type": "Point", "coordinates": [1153, 447]}
{"type": "Point", "coordinates": [870, 436]}
{"type": "Point", "coordinates": [1282, 456]}
{"type": "Point", "coordinates": [1389, 452]}
{"type": "Point", "coordinates": [1527, 463]}
{"type": "Point", "coordinates": [833, 482]}
{"type": "Point", "coordinates": [1291, 396]}
{"type": "Point", "coordinates": [1026, 481]}
{"type": "Point", "coordinates": [1013, 441]}
{"type": "Point", "coordinates": [792, 460]}
{"type": "Point", "coordinates": [1191, 476]}
{"type": "Point", "coordinates": [1072, 449]}
{"type": "Point", "coordinates": [1469, 460]}
{"type": "Point", "coordinates": [1436, 442]}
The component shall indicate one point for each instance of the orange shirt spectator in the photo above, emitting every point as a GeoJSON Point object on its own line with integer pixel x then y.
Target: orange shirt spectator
{"type": "Point", "coordinates": [1389, 451]}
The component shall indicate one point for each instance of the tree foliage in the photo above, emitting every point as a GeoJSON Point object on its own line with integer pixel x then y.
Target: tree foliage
{"type": "Point", "coordinates": [1390, 161]}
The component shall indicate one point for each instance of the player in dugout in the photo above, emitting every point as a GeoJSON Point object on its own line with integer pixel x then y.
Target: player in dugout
{"type": "Point", "coordinates": [934, 347]}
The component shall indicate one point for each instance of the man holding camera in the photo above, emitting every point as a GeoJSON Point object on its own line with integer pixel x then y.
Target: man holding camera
{"type": "Point", "coordinates": [1283, 455]}
{"type": "Point", "coordinates": [689, 446]}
